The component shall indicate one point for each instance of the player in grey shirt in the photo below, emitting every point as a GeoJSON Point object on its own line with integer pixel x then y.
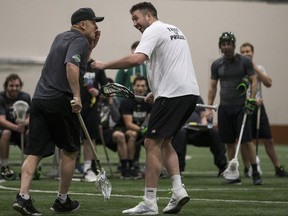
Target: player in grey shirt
{"type": "Point", "coordinates": [231, 69]}
{"type": "Point", "coordinates": [52, 118]}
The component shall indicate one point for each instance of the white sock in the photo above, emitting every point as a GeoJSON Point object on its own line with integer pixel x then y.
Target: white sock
{"type": "Point", "coordinates": [62, 197]}
{"type": "Point", "coordinates": [24, 196]}
{"type": "Point", "coordinates": [176, 181]}
{"type": "Point", "coordinates": [87, 165]}
{"type": "Point", "coordinates": [150, 193]}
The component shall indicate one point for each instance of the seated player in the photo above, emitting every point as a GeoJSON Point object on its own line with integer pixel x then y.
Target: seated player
{"type": "Point", "coordinates": [201, 137]}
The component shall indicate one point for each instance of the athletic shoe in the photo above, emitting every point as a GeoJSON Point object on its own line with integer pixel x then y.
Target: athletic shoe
{"type": "Point", "coordinates": [164, 174]}
{"type": "Point", "coordinates": [68, 206]}
{"type": "Point", "coordinates": [135, 173]}
{"type": "Point", "coordinates": [125, 174]}
{"type": "Point", "coordinates": [25, 207]}
{"type": "Point", "coordinates": [221, 171]}
{"type": "Point", "coordinates": [7, 173]}
{"type": "Point", "coordinates": [233, 182]}
{"type": "Point", "coordinates": [178, 200]}
{"type": "Point", "coordinates": [256, 178]}
{"type": "Point", "coordinates": [89, 176]}
{"type": "Point", "coordinates": [145, 207]}
{"type": "Point", "coordinates": [280, 172]}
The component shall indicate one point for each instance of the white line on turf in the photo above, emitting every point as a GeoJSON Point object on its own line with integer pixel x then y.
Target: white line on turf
{"type": "Point", "coordinates": [131, 196]}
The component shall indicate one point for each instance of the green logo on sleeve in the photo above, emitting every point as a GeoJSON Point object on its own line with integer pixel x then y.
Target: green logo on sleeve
{"type": "Point", "coordinates": [77, 57]}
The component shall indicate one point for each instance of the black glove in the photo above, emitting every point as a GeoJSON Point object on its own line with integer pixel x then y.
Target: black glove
{"type": "Point", "coordinates": [243, 86]}
{"type": "Point", "coordinates": [250, 105]}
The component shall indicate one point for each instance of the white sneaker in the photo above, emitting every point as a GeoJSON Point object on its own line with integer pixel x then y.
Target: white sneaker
{"type": "Point", "coordinates": [145, 207]}
{"type": "Point", "coordinates": [178, 200]}
{"type": "Point", "coordinates": [89, 176]}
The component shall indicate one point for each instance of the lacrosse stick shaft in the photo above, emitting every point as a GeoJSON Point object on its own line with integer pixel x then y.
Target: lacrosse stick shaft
{"type": "Point", "coordinates": [258, 128]}
{"type": "Point", "coordinates": [241, 134]}
{"type": "Point", "coordinates": [22, 147]}
{"type": "Point", "coordinates": [105, 149]}
{"type": "Point", "coordinates": [214, 107]}
{"type": "Point", "coordinates": [140, 97]}
{"type": "Point", "coordinates": [89, 140]}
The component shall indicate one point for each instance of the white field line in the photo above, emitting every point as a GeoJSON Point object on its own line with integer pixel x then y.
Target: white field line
{"type": "Point", "coordinates": [166, 198]}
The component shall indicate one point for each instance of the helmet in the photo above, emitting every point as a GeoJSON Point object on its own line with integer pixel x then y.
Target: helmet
{"type": "Point", "coordinates": [227, 37]}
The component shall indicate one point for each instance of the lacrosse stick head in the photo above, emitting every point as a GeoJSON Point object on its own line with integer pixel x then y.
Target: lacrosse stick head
{"type": "Point", "coordinates": [116, 89]}
{"type": "Point", "coordinates": [103, 184]}
{"type": "Point", "coordinates": [20, 109]}
{"type": "Point", "coordinates": [232, 171]}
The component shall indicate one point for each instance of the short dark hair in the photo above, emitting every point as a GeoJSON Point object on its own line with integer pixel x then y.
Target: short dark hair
{"type": "Point", "coordinates": [144, 6]}
{"type": "Point", "coordinates": [134, 45]}
{"type": "Point", "coordinates": [140, 78]}
{"type": "Point", "coordinates": [249, 45]}
{"type": "Point", "coordinates": [12, 77]}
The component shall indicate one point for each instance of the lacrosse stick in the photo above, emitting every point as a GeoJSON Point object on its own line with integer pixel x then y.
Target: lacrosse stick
{"type": "Point", "coordinates": [116, 89]}
{"type": "Point", "coordinates": [102, 183]}
{"type": "Point", "coordinates": [214, 107]}
{"type": "Point", "coordinates": [257, 143]}
{"type": "Point", "coordinates": [105, 149]}
{"type": "Point", "coordinates": [20, 109]}
{"type": "Point", "coordinates": [139, 97]}
{"type": "Point", "coordinates": [232, 171]}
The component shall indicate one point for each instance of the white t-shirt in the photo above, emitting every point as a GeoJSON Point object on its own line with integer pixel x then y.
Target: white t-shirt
{"type": "Point", "coordinates": [170, 70]}
{"type": "Point", "coordinates": [259, 86]}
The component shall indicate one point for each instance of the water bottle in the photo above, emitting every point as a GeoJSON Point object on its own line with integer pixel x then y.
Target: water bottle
{"type": "Point", "coordinates": [210, 122]}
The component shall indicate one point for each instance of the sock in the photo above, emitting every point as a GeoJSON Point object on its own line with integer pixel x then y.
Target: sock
{"type": "Point", "coordinates": [62, 197]}
{"type": "Point", "coordinates": [124, 164]}
{"type": "Point", "coordinates": [130, 163]}
{"type": "Point", "coordinates": [254, 167]}
{"type": "Point", "coordinates": [24, 196]}
{"type": "Point", "coordinates": [150, 193]}
{"type": "Point", "coordinates": [176, 181]}
{"type": "Point", "coordinates": [87, 165]}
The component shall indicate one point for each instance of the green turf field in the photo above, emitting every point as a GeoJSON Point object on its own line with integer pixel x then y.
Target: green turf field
{"type": "Point", "coordinates": [209, 196]}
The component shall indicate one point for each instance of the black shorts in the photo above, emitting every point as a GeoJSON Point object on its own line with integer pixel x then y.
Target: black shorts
{"type": "Point", "coordinates": [91, 119]}
{"type": "Point", "coordinates": [16, 138]}
{"type": "Point", "coordinates": [52, 123]}
{"type": "Point", "coordinates": [168, 115]}
{"type": "Point", "coordinates": [229, 123]}
{"type": "Point", "coordinates": [108, 139]}
{"type": "Point", "coordinates": [264, 129]}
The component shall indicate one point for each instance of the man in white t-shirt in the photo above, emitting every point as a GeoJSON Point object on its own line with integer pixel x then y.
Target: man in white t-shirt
{"type": "Point", "coordinates": [264, 130]}
{"type": "Point", "coordinates": [174, 92]}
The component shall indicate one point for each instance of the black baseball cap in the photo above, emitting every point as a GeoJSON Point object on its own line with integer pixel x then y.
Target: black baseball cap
{"type": "Point", "coordinates": [84, 14]}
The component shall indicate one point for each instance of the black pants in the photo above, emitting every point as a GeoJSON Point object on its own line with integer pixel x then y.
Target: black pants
{"type": "Point", "coordinates": [207, 138]}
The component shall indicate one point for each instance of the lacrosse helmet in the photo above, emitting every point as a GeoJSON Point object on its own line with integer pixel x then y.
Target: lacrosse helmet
{"type": "Point", "coordinates": [227, 37]}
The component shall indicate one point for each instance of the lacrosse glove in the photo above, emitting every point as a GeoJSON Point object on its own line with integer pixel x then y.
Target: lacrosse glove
{"type": "Point", "coordinates": [143, 130]}
{"type": "Point", "coordinates": [243, 86]}
{"type": "Point", "coordinates": [250, 105]}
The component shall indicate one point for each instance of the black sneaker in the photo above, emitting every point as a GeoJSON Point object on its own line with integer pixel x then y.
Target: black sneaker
{"type": "Point", "coordinates": [256, 178]}
{"type": "Point", "coordinates": [233, 182]}
{"type": "Point", "coordinates": [221, 171]}
{"type": "Point", "coordinates": [280, 172]}
{"type": "Point", "coordinates": [25, 207]}
{"type": "Point", "coordinates": [68, 206]}
{"type": "Point", "coordinates": [126, 174]}
{"type": "Point", "coordinates": [134, 172]}
{"type": "Point", "coordinates": [7, 173]}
